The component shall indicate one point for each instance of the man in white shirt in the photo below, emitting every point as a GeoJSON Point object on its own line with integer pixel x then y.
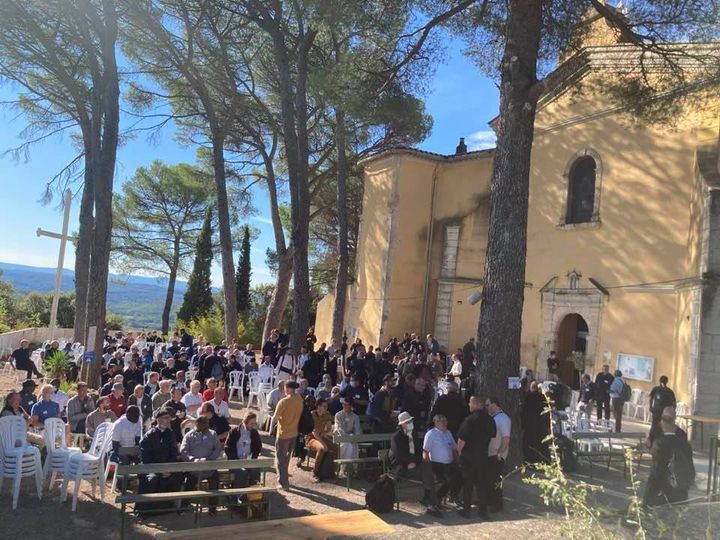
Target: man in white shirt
{"type": "Point", "coordinates": [219, 404]}
{"type": "Point", "coordinates": [126, 434]}
{"type": "Point", "coordinates": [439, 461]}
{"type": "Point", "coordinates": [59, 397]}
{"type": "Point", "coordinates": [266, 371]}
{"type": "Point", "coordinates": [275, 395]}
{"type": "Point", "coordinates": [497, 453]}
{"type": "Point", "coordinates": [193, 399]}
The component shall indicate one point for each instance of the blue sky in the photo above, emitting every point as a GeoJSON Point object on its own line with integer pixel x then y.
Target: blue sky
{"type": "Point", "coordinates": [460, 99]}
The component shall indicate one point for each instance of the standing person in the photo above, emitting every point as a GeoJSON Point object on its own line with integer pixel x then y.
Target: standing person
{"type": "Point", "coordinates": [468, 358]}
{"type": "Point", "coordinates": [617, 392]}
{"type": "Point", "coordinates": [403, 450]}
{"type": "Point", "coordinates": [20, 359]}
{"type": "Point", "coordinates": [660, 397]}
{"type": "Point", "coordinates": [79, 407]}
{"type": "Point", "coordinates": [553, 364]}
{"type": "Point", "coordinates": [310, 339]}
{"type": "Point", "coordinates": [439, 455]}
{"type": "Point", "coordinates": [271, 345]}
{"type": "Point", "coordinates": [497, 453]}
{"type": "Point", "coordinates": [474, 436]}
{"type": "Point", "coordinates": [202, 444]}
{"type": "Point", "coordinates": [159, 446]}
{"type": "Point", "coordinates": [587, 395]}
{"type": "Point", "coordinates": [452, 407]}
{"type": "Point", "coordinates": [535, 425]}
{"type": "Point", "coordinates": [672, 472]}
{"type": "Point", "coordinates": [287, 365]}
{"type": "Point", "coordinates": [287, 417]}
{"type": "Point", "coordinates": [603, 380]}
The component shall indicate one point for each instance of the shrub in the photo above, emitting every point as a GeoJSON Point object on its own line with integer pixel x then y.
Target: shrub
{"type": "Point", "coordinates": [56, 365]}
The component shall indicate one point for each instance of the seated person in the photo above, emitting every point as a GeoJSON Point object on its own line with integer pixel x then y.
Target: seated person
{"type": "Point", "coordinates": [118, 400]}
{"type": "Point", "coordinates": [275, 395]}
{"type": "Point", "coordinates": [334, 401]}
{"type": "Point", "coordinates": [244, 442]}
{"type": "Point", "coordinates": [181, 382]}
{"type": "Point", "coordinates": [219, 404]}
{"type": "Point", "coordinates": [218, 424]}
{"type": "Point", "coordinates": [382, 406]}
{"type": "Point", "coordinates": [320, 439]}
{"type": "Point", "coordinates": [107, 388]}
{"type": "Point", "coordinates": [153, 385]}
{"type": "Point", "coordinates": [347, 423]}
{"type": "Point", "coordinates": [163, 395]}
{"type": "Point", "coordinates": [179, 412]}
{"type": "Point", "coordinates": [12, 408]}
{"type": "Point", "coordinates": [126, 434]}
{"type": "Point", "coordinates": [143, 402]}
{"type": "Point", "coordinates": [101, 414]}
{"type": "Point", "coordinates": [159, 446]}
{"type": "Point", "coordinates": [403, 450]}
{"type": "Point", "coordinates": [45, 408]}
{"type": "Point", "coordinates": [60, 397]}
{"type": "Point", "coordinates": [79, 407]}
{"type": "Point", "coordinates": [324, 389]}
{"type": "Point", "coordinates": [27, 395]}
{"type": "Point", "coordinates": [201, 444]}
{"type": "Point", "coordinates": [193, 399]}
{"type": "Point", "coordinates": [358, 392]}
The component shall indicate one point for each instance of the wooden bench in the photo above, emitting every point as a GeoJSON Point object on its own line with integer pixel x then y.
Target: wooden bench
{"type": "Point", "coordinates": [346, 524]}
{"type": "Point", "coordinates": [196, 496]}
{"type": "Point", "coordinates": [370, 438]}
{"type": "Point", "coordinates": [607, 450]}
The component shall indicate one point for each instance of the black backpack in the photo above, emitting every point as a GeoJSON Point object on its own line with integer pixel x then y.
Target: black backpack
{"type": "Point", "coordinates": [326, 470]}
{"type": "Point", "coordinates": [626, 393]}
{"type": "Point", "coordinates": [306, 424]}
{"type": "Point", "coordinates": [380, 498]}
{"type": "Point", "coordinates": [681, 469]}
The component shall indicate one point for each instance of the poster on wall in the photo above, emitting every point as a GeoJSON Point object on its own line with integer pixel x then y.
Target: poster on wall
{"type": "Point", "coordinates": [634, 366]}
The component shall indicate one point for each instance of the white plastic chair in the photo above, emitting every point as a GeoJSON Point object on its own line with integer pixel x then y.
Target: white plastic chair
{"type": "Point", "coordinates": [629, 408]}
{"type": "Point", "coordinates": [89, 466]}
{"type": "Point", "coordinates": [237, 379]}
{"type": "Point", "coordinates": [642, 405]}
{"type": "Point", "coordinates": [253, 385]}
{"type": "Point", "coordinates": [311, 391]}
{"type": "Point", "coordinates": [18, 459]}
{"type": "Point", "coordinates": [57, 450]}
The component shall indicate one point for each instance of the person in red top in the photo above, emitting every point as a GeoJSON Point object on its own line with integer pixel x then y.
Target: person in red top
{"type": "Point", "coordinates": [209, 393]}
{"type": "Point", "coordinates": [118, 401]}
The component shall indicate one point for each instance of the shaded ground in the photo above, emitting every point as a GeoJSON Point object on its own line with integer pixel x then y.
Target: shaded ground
{"type": "Point", "coordinates": [525, 514]}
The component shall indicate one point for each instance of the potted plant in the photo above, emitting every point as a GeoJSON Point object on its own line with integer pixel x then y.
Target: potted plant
{"type": "Point", "coordinates": [56, 365]}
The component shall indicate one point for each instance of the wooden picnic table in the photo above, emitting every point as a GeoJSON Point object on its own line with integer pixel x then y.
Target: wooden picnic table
{"type": "Point", "coordinates": [352, 523]}
{"type": "Point", "coordinates": [702, 420]}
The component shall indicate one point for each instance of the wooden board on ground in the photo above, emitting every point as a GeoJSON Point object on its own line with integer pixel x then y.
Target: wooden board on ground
{"type": "Point", "coordinates": [353, 523]}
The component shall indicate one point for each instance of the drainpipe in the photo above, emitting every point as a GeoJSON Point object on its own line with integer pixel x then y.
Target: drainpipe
{"type": "Point", "coordinates": [428, 250]}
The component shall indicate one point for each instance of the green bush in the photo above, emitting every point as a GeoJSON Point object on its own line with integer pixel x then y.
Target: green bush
{"type": "Point", "coordinates": [56, 365]}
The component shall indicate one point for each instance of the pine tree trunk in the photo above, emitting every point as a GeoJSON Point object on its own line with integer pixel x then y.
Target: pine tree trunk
{"type": "Point", "coordinates": [172, 278]}
{"type": "Point", "coordinates": [279, 299]}
{"type": "Point", "coordinates": [341, 279]}
{"type": "Point", "coordinates": [502, 301]}
{"type": "Point", "coordinates": [226, 253]}
{"type": "Point", "coordinates": [99, 265]}
{"type": "Point", "coordinates": [83, 251]}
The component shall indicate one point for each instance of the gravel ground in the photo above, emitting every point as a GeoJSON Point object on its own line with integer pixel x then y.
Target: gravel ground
{"type": "Point", "coordinates": [524, 515]}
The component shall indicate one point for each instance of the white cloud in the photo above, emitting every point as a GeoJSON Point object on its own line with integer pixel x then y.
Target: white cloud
{"type": "Point", "coordinates": [481, 140]}
{"type": "Point", "coordinates": [261, 219]}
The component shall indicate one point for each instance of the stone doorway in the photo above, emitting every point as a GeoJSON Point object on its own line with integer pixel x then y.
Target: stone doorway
{"type": "Point", "coordinates": [572, 337]}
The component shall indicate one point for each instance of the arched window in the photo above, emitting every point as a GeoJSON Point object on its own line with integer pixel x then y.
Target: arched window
{"type": "Point", "coordinates": [581, 190]}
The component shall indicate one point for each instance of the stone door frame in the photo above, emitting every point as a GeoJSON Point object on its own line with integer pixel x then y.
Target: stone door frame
{"type": "Point", "coordinates": [559, 303]}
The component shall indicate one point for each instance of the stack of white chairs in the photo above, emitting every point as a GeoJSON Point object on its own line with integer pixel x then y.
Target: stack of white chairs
{"type": "Point", "coordinates": [17, 458]}
{"type": "Point", "coordinates": [237, 379]}
{"type": "Point", "coordinates": [587, 445]}
{"type": "Point", "coordinates": [58, 452]}
{"type": "Point", "coordinates": [89, 466]}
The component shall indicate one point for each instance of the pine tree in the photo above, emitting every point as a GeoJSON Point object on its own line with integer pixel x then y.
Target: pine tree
{"type": "Point", "coordinates": [198, 296]}
{"type": "Point", "coordinates": [242, 275]}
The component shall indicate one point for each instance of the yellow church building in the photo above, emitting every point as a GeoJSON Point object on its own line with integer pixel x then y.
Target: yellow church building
{"type": "Point", "coordinates": [623, 255]}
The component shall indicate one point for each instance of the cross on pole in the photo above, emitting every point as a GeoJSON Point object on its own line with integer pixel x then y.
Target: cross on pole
{"type": "Point", "coordinates": [63, 237]}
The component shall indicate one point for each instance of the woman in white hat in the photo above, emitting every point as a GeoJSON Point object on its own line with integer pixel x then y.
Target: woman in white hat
{"type": "Point", "coordinates": [403, 451]}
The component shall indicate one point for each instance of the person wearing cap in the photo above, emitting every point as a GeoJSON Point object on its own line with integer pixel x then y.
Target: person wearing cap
{"type": "Point", "coordinates": [101, 414]}
{"type": "Point", "coordinates": [452, 407]}
{"type": "Point", "coordinates": [159, 446]}
{"type": "Point", "coordinates": [126, 434]}
{"type": "Point", "coordinates": [27, 395]}
{"type": "Point", "coordinates": [404, 449]}
{"type": "Point", "coordinates": [79, 407]}
{"type": "Point", "coordinates": [382, 406]}
{"type": "Point", "coordinates": [20, 360]}
{"type": "Point", "coordinates": [287, 418]}
{"type": "Point", "coordinates": [118, 401]}
{"type": "Point", "coordinates": [347, 423]}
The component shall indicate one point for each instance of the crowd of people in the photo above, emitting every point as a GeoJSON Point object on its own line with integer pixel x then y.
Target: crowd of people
{"type": "Point", "coordinates": [168, 401]}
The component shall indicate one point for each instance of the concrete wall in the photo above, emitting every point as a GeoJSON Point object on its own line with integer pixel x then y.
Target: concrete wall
{"type": "Point", "coordinates": [11, 340]}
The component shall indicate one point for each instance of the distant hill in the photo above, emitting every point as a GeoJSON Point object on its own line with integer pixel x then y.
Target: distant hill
{"type": "Point", "coordinates": [138, 299]}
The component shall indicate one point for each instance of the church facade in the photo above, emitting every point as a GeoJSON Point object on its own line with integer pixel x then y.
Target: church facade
{"type": "Point", "coordinates": [623, 255]}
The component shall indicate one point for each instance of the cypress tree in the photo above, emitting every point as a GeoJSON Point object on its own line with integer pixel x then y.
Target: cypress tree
{"type": "Point", "coordinates": [198, 298]}
{"type": "Point", "coordinates": [242, 275]}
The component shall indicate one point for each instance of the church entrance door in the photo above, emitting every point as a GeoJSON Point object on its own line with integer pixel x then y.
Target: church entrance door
{"type": "Point", "coordinates": [571, 337]}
